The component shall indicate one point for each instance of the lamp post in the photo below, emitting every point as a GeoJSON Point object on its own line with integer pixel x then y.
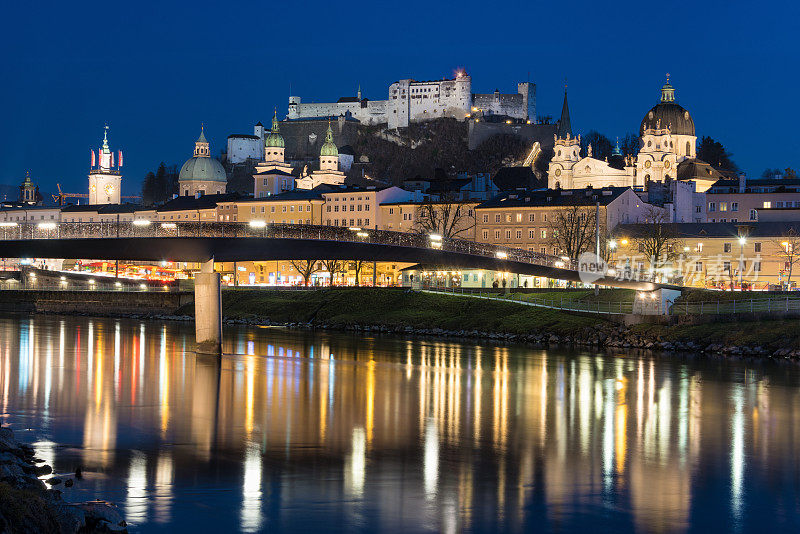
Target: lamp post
{"type": "Point", "coordinates": [742, 241]}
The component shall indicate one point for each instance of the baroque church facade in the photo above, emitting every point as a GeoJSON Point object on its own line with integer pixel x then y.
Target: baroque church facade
{"type": "Point", "coordinates": [667, 142]}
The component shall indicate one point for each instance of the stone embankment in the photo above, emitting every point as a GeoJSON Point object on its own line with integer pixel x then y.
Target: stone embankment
{"type": "Point", "coordinates": [600, 336]}
{"type": "Point", "coordinates": [28, 505]}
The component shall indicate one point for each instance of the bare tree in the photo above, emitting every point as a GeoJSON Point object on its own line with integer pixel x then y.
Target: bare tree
{"type": "Point", "coordinates": [572, 230]}
{"type": "Point", "coordinates": [658, 240]}
{"type": "Point", "coordinates": [333, 267]}
{"type": "Point", "coordinates": [446, 217]}
{"type": "Point", "coordinates": [358, 266]}
{"type": "Point", "coordinates": [788, 249]}
{"type": "Point", "coordinates": [306, 268]}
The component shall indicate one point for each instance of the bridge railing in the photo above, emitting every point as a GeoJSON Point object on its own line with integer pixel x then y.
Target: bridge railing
{"type": "Point", "coordinates": [188, 229]}
{"type": "Point", "coordinates": [142, 228]}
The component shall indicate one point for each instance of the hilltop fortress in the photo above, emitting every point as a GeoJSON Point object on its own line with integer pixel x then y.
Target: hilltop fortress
{"type": "Point", "coordinates": [412, 101]}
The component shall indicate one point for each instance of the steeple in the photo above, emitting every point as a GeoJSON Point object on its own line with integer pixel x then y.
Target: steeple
{"type": "Point", "coordinates": [667, 92]}
{"type": "Point", "coordinates": [274, 139]}
{"type": "Point", "coordinates": [617, 151]}
{"type": "Point", "coordinates": [201, 149]}
{"type": "Point", "coordinates": [359, 92]}
{"type": "Point", "coordinates": [329, 147]}
{"type": "Point", "coordinates": [105, 148]}
{"type": "Point", "coordinates": [564, 124]}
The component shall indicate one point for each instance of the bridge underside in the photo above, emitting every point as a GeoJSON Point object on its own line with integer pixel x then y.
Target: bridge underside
{"type": "Point", "coordinates": [230, 249]}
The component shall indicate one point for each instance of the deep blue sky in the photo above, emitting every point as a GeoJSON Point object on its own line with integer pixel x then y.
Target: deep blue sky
{"type": "Point", "coordinates": [156, 70]}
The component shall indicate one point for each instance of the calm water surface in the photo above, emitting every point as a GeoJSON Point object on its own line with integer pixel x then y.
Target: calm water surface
{"type": "Point", "coordinates": [300, 431]}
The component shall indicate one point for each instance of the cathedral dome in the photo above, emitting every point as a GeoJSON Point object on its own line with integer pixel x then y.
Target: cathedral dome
{"type": "Point", "coordinates": [202, 169]}
{"type": "Point", "coordinates": [329, 147]}
{"type": "Point", "coordinates": [274, 139]}
{"type": "Point", "coordinates": [668, 114]}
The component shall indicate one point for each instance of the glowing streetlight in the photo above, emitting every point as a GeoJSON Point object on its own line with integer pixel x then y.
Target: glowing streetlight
{"type": "Point", "coordinates": [141, 222]}
{"type": "Point", "coordinates": [257, 224]}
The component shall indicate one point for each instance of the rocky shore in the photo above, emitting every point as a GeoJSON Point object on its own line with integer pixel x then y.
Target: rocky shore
{"type": "Point", "coordinates": [27, 504]}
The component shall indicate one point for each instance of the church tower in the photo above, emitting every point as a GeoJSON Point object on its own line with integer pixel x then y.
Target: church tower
{"type": "Point", "coordinates": [105, 175]}
{"type": "Point", "coordinates": [329, 154]}
{"type": "Point", "coordinates": [274, 145]}
{"type": "Point", "coordinates": [566, 152]}
{"type": "Point", "coordinates": [29, 193]}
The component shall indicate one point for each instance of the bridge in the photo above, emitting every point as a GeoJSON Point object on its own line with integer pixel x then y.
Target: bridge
{"type": "Point", "coordinates": [206, 243]}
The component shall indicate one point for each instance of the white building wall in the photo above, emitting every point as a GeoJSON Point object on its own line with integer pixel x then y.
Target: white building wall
{"type": "Point", "coordinates": [240, 149]}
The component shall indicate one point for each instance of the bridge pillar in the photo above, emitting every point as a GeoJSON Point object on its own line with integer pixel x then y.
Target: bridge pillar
{"type": "Point", "coordinates": [657, 302]}
{"type": "Point", "coordinates": [208, 309]}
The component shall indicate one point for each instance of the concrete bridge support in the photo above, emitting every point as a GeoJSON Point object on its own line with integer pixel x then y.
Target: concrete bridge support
{"type": "Point", "coordinates": [208, 310]}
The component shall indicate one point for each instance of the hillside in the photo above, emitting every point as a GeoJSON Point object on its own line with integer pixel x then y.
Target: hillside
{"type": "Point", "coordinates": [442, 143]}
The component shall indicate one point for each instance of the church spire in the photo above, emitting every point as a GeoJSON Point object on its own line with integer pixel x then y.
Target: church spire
{"type": "Point", "coordinates": [359, 92]}
{"type": "Point", "coordinates": [564, 124]}
{"type": "Point", "coordinates": [275, 127]}
{"type": "Point", "coordinates": [105, 140]}
{"type": "Point", "coordinates": [667, 91]}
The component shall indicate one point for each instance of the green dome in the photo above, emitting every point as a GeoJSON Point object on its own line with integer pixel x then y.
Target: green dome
{"type": "Point", "coordinates": [329, 147]}
{"type": "Point", "coordinates": [274, 139]}
{"type": "Point", "coordinates": [203, 169]}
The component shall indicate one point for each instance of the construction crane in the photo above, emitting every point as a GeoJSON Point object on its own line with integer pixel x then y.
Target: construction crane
{"type": "Point", "coordinates": [61, 196]}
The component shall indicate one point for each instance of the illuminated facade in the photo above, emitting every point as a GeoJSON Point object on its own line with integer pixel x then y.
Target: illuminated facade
{"type": "Point", "coordinates": [105, 175]}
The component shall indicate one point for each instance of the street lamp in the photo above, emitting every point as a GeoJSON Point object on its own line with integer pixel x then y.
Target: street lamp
{"type": "Point", "coordinates": [742, 241]}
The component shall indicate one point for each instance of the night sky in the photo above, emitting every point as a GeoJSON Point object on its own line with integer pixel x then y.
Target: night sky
{"type": "Point", "coordinates": [154, 71]}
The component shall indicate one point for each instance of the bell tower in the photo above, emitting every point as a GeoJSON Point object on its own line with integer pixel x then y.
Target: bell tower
{"type": "Point", "coordinates": [105, 175]}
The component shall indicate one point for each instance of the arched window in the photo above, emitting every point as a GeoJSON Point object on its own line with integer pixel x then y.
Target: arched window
{"type": "Point", "coordinates": [688, 149]}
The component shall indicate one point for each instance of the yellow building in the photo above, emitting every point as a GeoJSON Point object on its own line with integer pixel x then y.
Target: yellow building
{"type": "Point", "coordinates": [451, 219]}
{"type": "Point", "coordinates": [715, 255]}
{"type": "Point", "coordinates": [299, 206]}
{"type": "Point", "coordinates": [524, 219]}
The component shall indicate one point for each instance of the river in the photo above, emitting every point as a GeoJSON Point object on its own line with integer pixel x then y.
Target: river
{"type": "Point", "coordinates": [315, 431]}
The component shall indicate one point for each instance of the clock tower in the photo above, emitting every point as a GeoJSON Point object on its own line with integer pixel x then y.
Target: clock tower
{"type": "Point", "coordinates": [105, 175]}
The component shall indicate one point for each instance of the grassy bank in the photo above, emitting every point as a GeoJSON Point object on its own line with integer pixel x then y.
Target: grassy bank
{"type": "Point", "coordinates": [396, 307]}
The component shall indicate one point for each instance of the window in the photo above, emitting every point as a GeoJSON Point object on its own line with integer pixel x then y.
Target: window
{"type": "Point", "coordinates": [308, 208]}
{"type": "Point", "coordinates": [753, 215]}
{"type": "Point", "coordinates": [391, 212]}
{"type": "Point", "coordinates": [519, 217]}
{"type": "Point", "coordinates": [328, 209]}
{"type": "Point", "coordinates": [756, 247]}
{"type": "Point", "coordinates": [531, 233]}
{"type": "Point", "coordinates": [712, 206]}
{"type": "Point", "coordinates": [519, 234]}
{"type": "Point", "coordinates": [757, 266]}
{"type": "Point", "coordinates": [532, 217]}
{"type": "Point", "coordinates": [366, 222]}
{"type": "Point", "coordinates": [497, 218]}
{"type": "Point", "coordinates": [486, 217]}
{"type": "Point", "coordinates": [723, 206]}
{"type": "Point", "coordinates": [726, 247]}
{"type": "Point", "coordinates": [486, 235]}
{"type": "Point", "coordinates": [497, 234]}
{"type": "Point", "coordinates": [543, 250]}
{"type": "Point", "coordinates": [698, 266]}
{"type": "Point", "coordinates": [508, 234]}
{"type": "Point", "coordinates": [508, 217]}
{"type": "Point", "coordinates": [767, 204]}
{"type": "Point", "coordinates": [543, 233]}
{"type": "Point", "coordinates": [734, 206]}
{"type": "Point", "coordinates": [726, 266]}
{"type": "Point", "coordinates": [779, 204]}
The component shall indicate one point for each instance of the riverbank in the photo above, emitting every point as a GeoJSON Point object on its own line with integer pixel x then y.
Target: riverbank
{"type": "Point", "coordinates": [401, 311]}
{"type": "Point", "coordinates": [411, 312]}
{"type": "Point", "coordinates": [28, 505]}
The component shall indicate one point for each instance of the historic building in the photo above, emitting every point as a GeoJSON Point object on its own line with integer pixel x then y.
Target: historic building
{"type": "Point", "coordinates": [105, 175]}
{"type": "Point", "coordinates": [273, 175]}
{"type": "Point", "coordinates": [29, 192]}
{"type": "Point", "coordinates": [202, 174]}
{"type": "Point", "coordinates": [328, 173]}
{"type": "Point", "coordinates": [668, 151]}
{"type": "Point", "coordinates": [415, 101]}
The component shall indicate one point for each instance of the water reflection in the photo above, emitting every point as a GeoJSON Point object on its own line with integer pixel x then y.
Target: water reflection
{"type": "Point", "coordinates": [301, 431]}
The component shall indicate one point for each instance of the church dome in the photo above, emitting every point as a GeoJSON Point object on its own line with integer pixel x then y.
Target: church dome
{"type": "Point", "coordinates": [329, 147]}
{"type": "Point", "coordinates": [202, 169]}
{"type": "Point", "coordinates": [274, 139]}
{"type": "Point", "coordinates": [668, 114]}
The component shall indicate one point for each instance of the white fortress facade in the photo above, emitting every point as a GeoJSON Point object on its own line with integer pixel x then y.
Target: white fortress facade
{"type": "Point", "coordinates": [412, 101]}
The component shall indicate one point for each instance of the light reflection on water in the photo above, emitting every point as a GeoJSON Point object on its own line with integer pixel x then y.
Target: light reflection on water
{"type": "Point", "coordinates": [310, 431]}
